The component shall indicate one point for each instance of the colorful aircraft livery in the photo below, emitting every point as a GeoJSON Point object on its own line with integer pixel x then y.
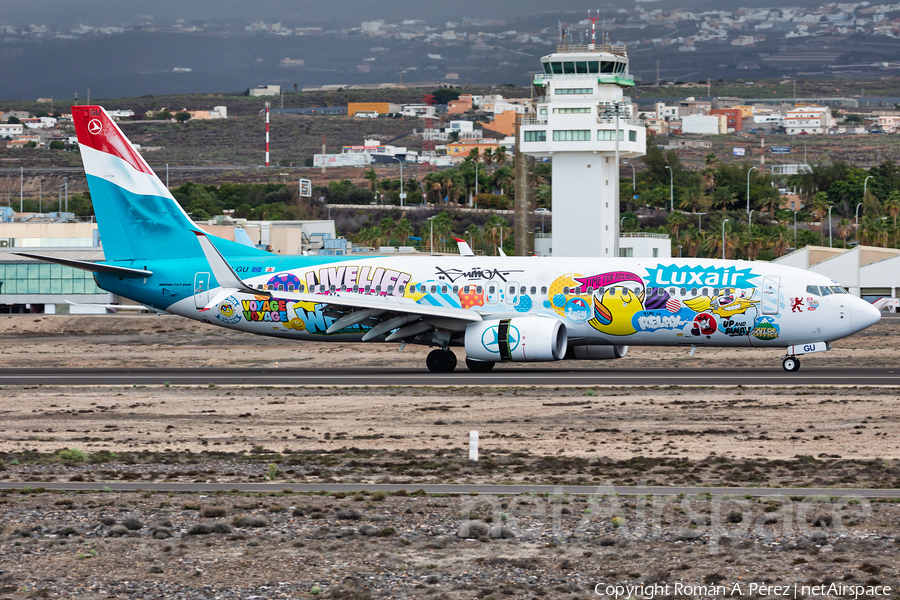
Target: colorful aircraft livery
{"type": "Point", "coordinates": [497, 308]}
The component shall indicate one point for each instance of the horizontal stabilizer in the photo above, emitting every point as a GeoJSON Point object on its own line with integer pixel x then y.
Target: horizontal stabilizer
{"type": "Point", "coordinates": [85, 265]}
{"type": "Point", "coordinates": [222, 271]}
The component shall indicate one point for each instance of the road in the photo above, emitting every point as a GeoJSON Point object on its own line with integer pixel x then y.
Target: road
{"type": "Point", "coordinates": [463, 489]}
{"type": "Point", "coordinates": [500, 376]}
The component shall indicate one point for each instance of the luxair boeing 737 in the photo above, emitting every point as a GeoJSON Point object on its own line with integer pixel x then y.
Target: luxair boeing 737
{"type": "Point", "coordinates": [499, 309]}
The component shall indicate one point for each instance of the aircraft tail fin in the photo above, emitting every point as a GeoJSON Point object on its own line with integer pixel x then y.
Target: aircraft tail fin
{"type": "Point", "coordinates": [137, 216]}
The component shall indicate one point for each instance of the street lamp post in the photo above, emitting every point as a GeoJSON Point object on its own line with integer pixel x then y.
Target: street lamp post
{"type": "Point", "coordinates": [748, 189]}
{"type": "Point", "coordinates": [633, 179]}
{"type": "Point", "coordinates": [750, 222]}
{"type": "Point", "coordinates": [723, 238]}
{"type": "Point", "coordinates": [679, 250]}
{"type": "Point", "coordinates": [829, 227]}
{"type": "Point", "coordinates": [700, 221]}
{"type": "Point", "coordinates": [864, 185]}
{"type": "Point", "coordinates": [671, 189]}
{"type": "Point", "coordinates": [795, 226]}
{"type": "Point", "coordinates": [431, 239]}
{"type": "Point", "coordinates": [857, 220]}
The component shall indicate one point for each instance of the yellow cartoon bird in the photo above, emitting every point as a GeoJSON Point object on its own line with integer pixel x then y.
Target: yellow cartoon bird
{"type": "Point", "coordinates": [614, 312]}
{"type": "Point", "coordinates": [723, 305]}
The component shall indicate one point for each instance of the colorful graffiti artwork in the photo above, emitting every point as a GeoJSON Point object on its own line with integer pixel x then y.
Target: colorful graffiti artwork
{"type": "Point", "coordinates": [228, 310]}
{"type": "Point", "coordinates": [363, 278]}
{"type": "Point", "coordinates": [263, 309]}
{"type": "Point", "coordinates": [811, 304]}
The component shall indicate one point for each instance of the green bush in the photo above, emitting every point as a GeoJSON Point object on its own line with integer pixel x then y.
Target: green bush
{"type": "Point", "coordinates": [72, 455]}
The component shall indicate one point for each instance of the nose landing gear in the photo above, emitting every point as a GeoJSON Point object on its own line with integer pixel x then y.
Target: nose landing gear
{"type": "Point", "coordinates": [441, 361]}
{"type": "Point", "coordinates": [790, 363]}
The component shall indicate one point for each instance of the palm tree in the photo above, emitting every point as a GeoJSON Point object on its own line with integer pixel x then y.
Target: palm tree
{"type": "Point", "coordinates": [443, 225]}
{"type": "Point", "coordinates": [820, 205]}
{"type": "Point", "coordinates": [503, 178]}
{"type": "Point", "coordinates": [892, 204]}
{"type": "Point", "coordinates": [722, 198]}
{"type": "Point", "coordinates": [387, 225]}
{"type": "Point", "coordinates": [373, 178]}
{"type": "Point", "coordinates": [493, 228]}
{"type": "Point", "coordinates": [691, 241]}
{"type": "Point", "coordinates": [500, 156]}
{"type": "Point", "coordinates": [844, 230]}
{"type": "Point", "coordinates": [675, 220]}
{"type": "Point", "coordinates": [771, 200]}
{"type": "Point", "coordinates": [403, 229]}
{"type": "Point", "coordinates": [473, 233]}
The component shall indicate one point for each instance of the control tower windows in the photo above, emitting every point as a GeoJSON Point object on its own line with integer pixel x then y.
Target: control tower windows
{"type": "Point", "coordinates": [579, 67]}
{"type": "Point", "coordinates": [572, 135]}
{"type": "Point", "coordinates": [607, 67]}
{"type": "Point", "coordinates": [535, 136]}
{"type": "Point", "coordinates": [571, 111]}
{"type": "Point", "coordinates": [609, 135]}
{"type": "Point", "coordinates": [570, 91]}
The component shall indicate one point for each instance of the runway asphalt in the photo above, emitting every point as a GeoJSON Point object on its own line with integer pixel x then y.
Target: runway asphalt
{"type": "Point", "coordinates": [463, 489]}
{"type": "Point", "coordinates": [501, 375]}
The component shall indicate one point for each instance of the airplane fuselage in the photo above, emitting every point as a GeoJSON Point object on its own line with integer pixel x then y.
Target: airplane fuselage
{"type": "Point", "coordinates": [600, 301]}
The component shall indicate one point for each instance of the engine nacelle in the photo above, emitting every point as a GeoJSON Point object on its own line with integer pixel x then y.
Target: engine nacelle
{"type": "Point", "coordinates": [595, 352]}
{"type": "Point", "coordinates": [525, 339]}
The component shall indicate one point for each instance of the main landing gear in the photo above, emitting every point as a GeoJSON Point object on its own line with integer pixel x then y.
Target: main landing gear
{"type": "Point", "coordinates": [790, 363]}
{"type": "Point", "coordinates": [441, 361]}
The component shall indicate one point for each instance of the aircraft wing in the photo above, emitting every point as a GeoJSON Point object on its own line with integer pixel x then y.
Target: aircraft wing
{"type": "Point", "coordinates": [383, 314]}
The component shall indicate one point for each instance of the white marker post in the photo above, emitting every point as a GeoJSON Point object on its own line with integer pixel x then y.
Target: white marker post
{"type": "Point", "coordinates": [473, 446]}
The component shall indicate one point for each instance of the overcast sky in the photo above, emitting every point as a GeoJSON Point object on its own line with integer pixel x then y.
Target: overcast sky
{"type": "Point", "coordinates": [59, 12]}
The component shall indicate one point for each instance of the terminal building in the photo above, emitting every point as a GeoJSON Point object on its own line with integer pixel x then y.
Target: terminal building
{"type": "Point", "coordinates": [869, 272]}
{"type": "Point", "coordinates": [32, 286]}
{"type": "Point", "coordinates": [585, 125]}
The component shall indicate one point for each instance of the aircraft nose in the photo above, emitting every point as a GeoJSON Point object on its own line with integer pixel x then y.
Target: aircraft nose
{"type": "Point", "coordinates": [863, 314]}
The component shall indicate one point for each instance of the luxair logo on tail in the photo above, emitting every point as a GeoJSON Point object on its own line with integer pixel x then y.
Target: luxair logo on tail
{"type": "Point", "coordinates": [665, 275]}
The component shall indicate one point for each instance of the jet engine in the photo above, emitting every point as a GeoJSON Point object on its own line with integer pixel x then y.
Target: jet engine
{"type": "Point", "coordinates": [595, 352]}
{"type": "Point", "coordinates": [520, 339]}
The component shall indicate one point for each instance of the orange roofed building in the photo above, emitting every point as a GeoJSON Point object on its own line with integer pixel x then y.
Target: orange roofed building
{"type": "Point", "coordinates": [458, 151]}
{"type": "Point", "coordinates": [503, 123]}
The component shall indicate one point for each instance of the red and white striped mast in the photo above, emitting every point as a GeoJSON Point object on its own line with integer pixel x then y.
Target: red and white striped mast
{"type": "Point", "coordinates": [593, 21]}
{"type": "Point", "coordinates": [267, 134]}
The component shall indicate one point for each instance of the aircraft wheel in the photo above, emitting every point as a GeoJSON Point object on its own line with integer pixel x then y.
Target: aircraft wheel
{"type": "Point", "coordinates": [479, 366]}
{"type": "Point", "coordinates": [440, 361]}
{"type": "Point", "coordinates": [791, 363]}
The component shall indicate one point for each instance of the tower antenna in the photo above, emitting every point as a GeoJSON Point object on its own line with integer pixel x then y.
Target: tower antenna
{"type": "Point", "coordinates": [593, 21]}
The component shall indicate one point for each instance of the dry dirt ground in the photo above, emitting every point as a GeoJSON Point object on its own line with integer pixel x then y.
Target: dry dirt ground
{"type": "Point", "coordinates": [233, 545]}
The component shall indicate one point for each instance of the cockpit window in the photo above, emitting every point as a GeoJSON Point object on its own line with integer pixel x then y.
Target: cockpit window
{"type": "Point", "coordinates": [812, 289]}
{"type": "Point", "coordinates": [825, 290]}
{"type": "Point", "coordinates": [838, 289]}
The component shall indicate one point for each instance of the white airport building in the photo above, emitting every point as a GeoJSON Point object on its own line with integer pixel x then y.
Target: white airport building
{"type": "Point", "coordinates": [869, 272]}
{"type": "Point", "coordinates": [585, 125]}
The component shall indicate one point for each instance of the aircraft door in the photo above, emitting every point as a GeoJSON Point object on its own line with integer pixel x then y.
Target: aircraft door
{"type": "Point", "coordinates": [770, 295]}
{"type": "Point", "coordinates": [201, 290]}
{"type": "Point", "coordinates": [511, 289]}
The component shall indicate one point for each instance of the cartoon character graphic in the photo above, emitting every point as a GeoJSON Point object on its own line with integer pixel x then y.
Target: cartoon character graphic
{"type": "Point", "coordinates": [724, 305]}
{"type": "Point", "coordinates": [556, 299]}
{"type": "Point", "coordinates": [796, 304]}
{"type": "Point", "coordinates": [614, 312]}
{"type": "Point", "coordinates": [811, 304]}
{"type": "Point", "coordinates": [229, 310]}
{"type": "Point", "coordinates": [704, 324]}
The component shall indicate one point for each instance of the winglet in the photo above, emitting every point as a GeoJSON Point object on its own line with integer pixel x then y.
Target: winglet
{"type": "Point", "coordinates": [464, 249]}
{"type": "Point", "coordinates": [222, 271]}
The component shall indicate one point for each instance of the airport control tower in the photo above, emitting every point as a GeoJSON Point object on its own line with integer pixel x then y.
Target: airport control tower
{"type": "Point", "coordinates": [579, 109]}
